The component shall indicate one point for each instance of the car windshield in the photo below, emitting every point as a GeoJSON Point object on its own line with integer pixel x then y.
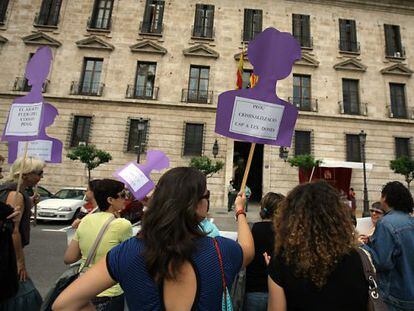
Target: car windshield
{"type": "Point", "coordinates": [70, 194]}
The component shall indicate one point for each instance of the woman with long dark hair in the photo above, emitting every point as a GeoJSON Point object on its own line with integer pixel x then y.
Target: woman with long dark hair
{"type": "Point", "coordinates": [171, 264]}
{"type": "Point", "coordinates": [315, 265]}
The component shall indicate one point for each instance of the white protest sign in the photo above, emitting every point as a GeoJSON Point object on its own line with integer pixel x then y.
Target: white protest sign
{"type": "Point", "coordinates": [364, 225]}
{"type": "Point", "coordinates": [256, 118]}
{"type": "Point", "coordinates": [41, 149]}
{"type": "Point", "coordinates": [24, 120]}
{"type": "Point", "coordinates": [134, 177]}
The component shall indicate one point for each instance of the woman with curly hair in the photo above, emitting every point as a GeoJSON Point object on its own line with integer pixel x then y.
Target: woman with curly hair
{"type": "Point", "coordinates": [315, 264]}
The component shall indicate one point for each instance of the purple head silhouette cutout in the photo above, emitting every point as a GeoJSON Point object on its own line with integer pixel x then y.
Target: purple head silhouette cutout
{"type": "Point", "coordinates": [29, 115]}
{"type": "Point", "coordinates": [257, 114]}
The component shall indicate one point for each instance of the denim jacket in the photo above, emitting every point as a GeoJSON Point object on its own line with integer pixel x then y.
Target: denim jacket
{"type": "Point", "coordinates": [392, 250]}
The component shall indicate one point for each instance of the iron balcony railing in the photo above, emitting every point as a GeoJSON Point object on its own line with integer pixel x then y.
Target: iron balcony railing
{"type": "Point", "coordinates": [349, 46]}
{"type": "Point", "coordinates": [41, 20]}
{"type": "Point", "coordinates": [22, 85]}
{"type": "Point", "coordinates": [400, 112]}
{"type": "Point", "coordinates": [304, 104]}
{"type": "Point", "coordinates": [151, 28]}
{"type": "Point", "coordinates": [99, 24]}
{"type": "Point", "coordinates": [360, 109]}
{"type": "Point", "coordinates": [141, 92]}
{"type": "Point", "coordinates": [197, 96]}
{"type": "Point", "coordinates": [202, 32]}
{"type": "Point", "coordinates": [88, 89]}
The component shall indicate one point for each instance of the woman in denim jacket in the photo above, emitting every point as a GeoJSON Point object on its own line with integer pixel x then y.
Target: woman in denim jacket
{"type": "Point", "coordinates": [392, 247]}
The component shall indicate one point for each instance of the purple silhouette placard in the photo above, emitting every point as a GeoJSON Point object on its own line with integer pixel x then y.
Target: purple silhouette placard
{"type": "Point", "coordinates": [29, 116]}
{"type": "Point", "coordinates": [257, 115]}
{"type": "Point", "coordinates": [137, 177]}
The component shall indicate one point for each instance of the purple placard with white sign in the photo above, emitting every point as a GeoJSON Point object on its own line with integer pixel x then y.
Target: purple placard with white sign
{"type": "Point", "coordinates": [29, 115]}
{"type": "Point", "coordinates": [257, 115]}
{"type": "Point", "coordinates": [136, 177]}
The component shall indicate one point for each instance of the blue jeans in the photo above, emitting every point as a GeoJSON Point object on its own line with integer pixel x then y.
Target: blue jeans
{"type": "Point", "coordinates": [255, 301]}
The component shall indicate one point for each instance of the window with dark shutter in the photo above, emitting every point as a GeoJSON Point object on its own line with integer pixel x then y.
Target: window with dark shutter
{"type": "Point", "coordinates": [302, 142]}
{"type": "Point", "coordinates": [347, 36]}
{"type": "Point", "coordinates": [301, 29]}
{"type": "Point", "coordinates": [203, 21]}
{"type": "Point", "coordinates": [137, 138]}
{"type": "Point", "coordinates": [101, 16]}
{"type": "Point", "coordinates": [302, 92]}
{"type": "Point", "coordinates": [393, 46]}
{"type": "Point", "coordinates": [153, 17]}
{"type": "Point", "coordinates": [350, 92]}
{"type": "Point", "coordinates": [80, 130]}
{"type": "Point", "coordinates": [402, 147]}
{"type": "Point", "coordinates": [198, 84]}
{"type": "Point", "coordinates": [193, 140]}
{"type": "Point", "coordinates": [91, 76]}
{"type": "Point", "coordinates": [353, 148]}
{"type": "Point", "coordinates": [3, 10]}
{"type": "Point", "coordinates": [252, 23]}
{"type": "Point", "coordinates": [398, 106]}
{"type": "Point", "coordinates": [49, 13]}
{"type": "Point", "coordinates": [145, 79]}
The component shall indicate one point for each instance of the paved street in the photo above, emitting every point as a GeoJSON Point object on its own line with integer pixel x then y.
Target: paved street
{"type": "Point", "coordinates": [44, 255]}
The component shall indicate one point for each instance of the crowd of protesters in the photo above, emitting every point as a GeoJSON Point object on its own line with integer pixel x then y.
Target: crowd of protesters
{"type": "Point", "coordinates": [304, 254]}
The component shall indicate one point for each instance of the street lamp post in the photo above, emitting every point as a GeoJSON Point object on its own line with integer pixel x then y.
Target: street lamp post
{"type": "Point", "coordinates": [140, 127]}
{"type": "Point", "coordinates": [362, 141]}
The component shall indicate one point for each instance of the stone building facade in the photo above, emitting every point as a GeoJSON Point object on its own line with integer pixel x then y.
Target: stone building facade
{"type": "Point", "coordinates": [121, 77]}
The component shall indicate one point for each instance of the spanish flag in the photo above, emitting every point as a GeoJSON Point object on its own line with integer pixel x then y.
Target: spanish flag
{"type": "Point", "coordinates": [253, 80]}
{"type": "Point", "coordinates": [239, 82]}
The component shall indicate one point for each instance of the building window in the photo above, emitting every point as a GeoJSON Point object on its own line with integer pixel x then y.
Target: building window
{"type": "Point", "coordinates": [193, 140]}
{"type": "Point", "coordinates": [247, 73]}
{"type": "Point", "coordinates": [302, 142]}
{"type": "Point", "coordinates": [302, 92]}
{"type": "Point", "coordinates": [154, 11]}
{"type": "Point", "coordinates": [353, 148]}
{"type": "Point", "coordinates": [3, 10]}
{"type": "Point", "coordinates": [402, 147]}
{"type": "Point", "coordinates": [145, 79]}
{"type": "Point", "coordinates": [49, 13]}
{"type": "Point", "coordinates": [91, 77]}
{"type": "Point", "coordinates": [137, 138]}
{"type": "Point", "coordinates": [393, 46]}
{"type": "Point", "coordinates": [347, 36]}
{"type": "Point", "coordinates": [252, 24]}
{"type": "Point", "coordinates": [101, 16]}
{"type": "Point", "coordinates": [204, 21]}
{"type": "Point", "coordinates": [80, 130]}
{"type": "Point", "coordinates": [350, 93]}
{"type": "Point", "coordinates": [301, 29]}
{"type": "Point", "coordinates": [398, 108]}
{"type": "Point", "coordinates": [198, 84]}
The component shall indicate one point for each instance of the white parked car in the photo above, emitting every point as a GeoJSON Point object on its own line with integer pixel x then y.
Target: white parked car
{"type": "Point", "coordinates": [64, 206]}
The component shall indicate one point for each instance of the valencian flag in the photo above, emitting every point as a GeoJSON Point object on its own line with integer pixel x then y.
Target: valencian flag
{"type": "Point", "coordinates": [239, 82]}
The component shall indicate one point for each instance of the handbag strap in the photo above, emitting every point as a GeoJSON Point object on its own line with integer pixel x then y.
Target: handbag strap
{"type": "Point", "coordinates": [370, 273]}
{"type": "Point", "coordinates": [94, 248]}
{"type": "Point", "coordinates": [223, 278]}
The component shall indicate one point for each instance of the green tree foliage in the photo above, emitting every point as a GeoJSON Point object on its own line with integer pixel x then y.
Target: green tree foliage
{"type": "Point", "coordinates": [405, 167]}
{"type": "Point", "coordinates": [304, 161]}
{"type": "Point", "coordinates": [206, 166]}
{"type": "Point", "coordinates": [89, 155]}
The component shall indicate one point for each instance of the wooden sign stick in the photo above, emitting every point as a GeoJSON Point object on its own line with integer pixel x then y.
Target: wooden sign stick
{"type": "Point", "coordinates": [313, 171]}
{"type": "Point", "coordinates": [247, 169]}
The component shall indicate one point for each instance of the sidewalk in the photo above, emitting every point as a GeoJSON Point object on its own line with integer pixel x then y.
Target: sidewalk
{"type": "Point", "coordinates": [225, 221]}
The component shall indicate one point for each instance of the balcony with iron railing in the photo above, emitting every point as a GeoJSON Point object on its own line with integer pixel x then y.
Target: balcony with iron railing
{"type": "Point", "coordinates": [47, 22]}
{"type": "Point", "coordinates": [400, 112]}
{"type": "Point", "coordinates": [359, 109]}
{"type": "Point", "coordinates": [99, 25]}
{"type": "Point", "coordinates": [395, 54]}
{"type": "Point", "coordinates": [22, 85]}
{"type": "Point", "coordinates": [304, 104]}
{"type": "Point", "coordinates": [346, 46]}
{"type": "Point", "coordinates": [141, 92]}
{"type": "Point", "coordinates": [197, 96]}
{"type": "Point", "coordinates": [87, 89]}
{"type": "Point", "coordinates": [149, 28]}
{"type": "Point", "coordinates": [203, 33]}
